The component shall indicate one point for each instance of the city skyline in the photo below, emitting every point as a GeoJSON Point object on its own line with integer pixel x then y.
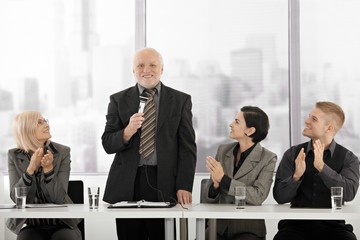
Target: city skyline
{"type": "Point", "coordinates": [68, 72]}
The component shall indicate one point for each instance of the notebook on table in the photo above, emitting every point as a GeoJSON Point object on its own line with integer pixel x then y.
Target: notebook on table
{"type": "Point", "coordinates": [141, 204]}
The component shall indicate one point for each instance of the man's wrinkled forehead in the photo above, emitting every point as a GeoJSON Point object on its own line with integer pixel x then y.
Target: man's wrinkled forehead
{"type": "Point", "coordinates": [147, 56]}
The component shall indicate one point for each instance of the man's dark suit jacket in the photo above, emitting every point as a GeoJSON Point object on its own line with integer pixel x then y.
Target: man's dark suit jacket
{"type": "Point", "coordinates": [175, 144]}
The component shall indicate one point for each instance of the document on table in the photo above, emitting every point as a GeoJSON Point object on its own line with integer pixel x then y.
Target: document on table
{"type": "Point", "coordinates": [7, 206]}
{"type": "Point", "coordinates": [141, 203]}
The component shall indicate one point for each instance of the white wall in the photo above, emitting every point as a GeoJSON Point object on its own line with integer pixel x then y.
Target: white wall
{"type": "Point", "coordinates": [100, 180]}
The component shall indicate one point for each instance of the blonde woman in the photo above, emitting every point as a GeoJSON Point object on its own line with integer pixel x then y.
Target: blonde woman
{"type": "Point", "coordinates": [43, 167]}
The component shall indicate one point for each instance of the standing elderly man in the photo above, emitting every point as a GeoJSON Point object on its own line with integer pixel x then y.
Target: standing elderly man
{"type": "Point", "coordinates": [308, 171]}
{"type": "Point", "coordinates": [160, 167]}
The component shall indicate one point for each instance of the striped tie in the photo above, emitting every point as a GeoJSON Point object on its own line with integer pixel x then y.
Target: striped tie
{"type": "Point", "coordinates": [147, 139]}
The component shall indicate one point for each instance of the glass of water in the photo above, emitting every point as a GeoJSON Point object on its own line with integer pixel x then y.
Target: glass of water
{"type": "Point", "coordinates": [93, 194]}
{"type": "Point", "coordinates": [336, 197]}
{"type": "Point", "coordinates": [240, 195]}
{"type": "Point", "coordinates": [20, 196]}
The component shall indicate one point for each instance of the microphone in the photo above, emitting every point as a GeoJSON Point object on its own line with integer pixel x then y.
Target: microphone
{"type": "Point", "coordinates": [143, 99]}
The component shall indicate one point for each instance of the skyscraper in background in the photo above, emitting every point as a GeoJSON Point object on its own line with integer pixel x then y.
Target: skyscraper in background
{"type": "Point", "coordinates": [247, 66]}
{"type": "Point", "coordinates": [29, 94]}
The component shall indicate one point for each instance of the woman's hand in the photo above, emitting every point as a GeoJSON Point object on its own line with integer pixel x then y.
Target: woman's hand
{"type": "Point", "coordinates": [47, 161]}
{"type": "Point", "coordinates": [215, 169]}
{"type": "Point", "coordinates": [35, 161]}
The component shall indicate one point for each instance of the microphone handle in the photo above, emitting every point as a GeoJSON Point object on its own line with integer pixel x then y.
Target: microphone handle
{"type": "Point", "coordinates": [143, 100]}
{"type": "Point", "coordinates": [141, 107]}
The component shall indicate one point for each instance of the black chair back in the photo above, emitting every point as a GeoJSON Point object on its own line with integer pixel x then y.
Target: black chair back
{"type": "Point", "coordinates": [204, 182]}
{"type": "Point", "coordinates": [76, 191]}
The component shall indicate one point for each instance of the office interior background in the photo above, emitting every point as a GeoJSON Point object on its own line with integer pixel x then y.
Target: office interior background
{"type": "Point", "coordinates": [64, 58]}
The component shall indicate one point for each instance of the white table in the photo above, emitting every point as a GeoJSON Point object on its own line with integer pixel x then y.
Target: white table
{"type": "Point", "coordinates": [199, 212]}
{"type": "Point", "coordinates": [93, 217]}
{"type": "Point", "coordinates": [228, 211]}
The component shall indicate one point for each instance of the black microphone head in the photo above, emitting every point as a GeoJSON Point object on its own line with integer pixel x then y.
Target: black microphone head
{"type": "Point", "coordinates": [143, 99]}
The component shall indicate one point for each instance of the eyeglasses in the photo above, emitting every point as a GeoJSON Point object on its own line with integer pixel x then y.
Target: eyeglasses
{"type": "Point", "coordinates": [43, 121]}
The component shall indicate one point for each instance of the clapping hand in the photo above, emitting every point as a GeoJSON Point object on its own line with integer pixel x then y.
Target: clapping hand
{"type": "Point", "coordinates": [215, 169]}
{"type": "Point", "coordinates": [300, 165]}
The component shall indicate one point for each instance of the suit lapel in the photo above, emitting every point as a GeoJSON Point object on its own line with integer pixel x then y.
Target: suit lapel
{"type": "Point", "coordinates": [165, 106]}
{"type": "Point", "coordinates": [229, 162]}
{"type": "Point", "coordinates": [55, 153]}
{"type": "Point", "coordinates": [249, 162]}
{"type": "Point", "coordinates": [132, 102]}
{"type": "Point", "coordinates": [23, 161]}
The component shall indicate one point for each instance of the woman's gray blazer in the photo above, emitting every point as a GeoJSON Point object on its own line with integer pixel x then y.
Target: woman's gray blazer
{"type": "Point", "coordinates": [55, 190]}
{"type": "Point", "coordinates": [256, 173]}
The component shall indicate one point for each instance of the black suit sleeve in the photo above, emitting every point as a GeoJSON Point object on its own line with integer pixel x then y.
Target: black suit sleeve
{"type": "Point", "coordinates": [187, 149]}
{"type": "Point", "coordinates": [112, 138]}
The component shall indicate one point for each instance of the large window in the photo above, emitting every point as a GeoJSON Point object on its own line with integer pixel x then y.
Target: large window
{"type": "Point", "coordinates": [226, 54]}
{"type": "Point", "coordinates": [330, 56]}
{"type": "Point", "coordinates": [64, 58]}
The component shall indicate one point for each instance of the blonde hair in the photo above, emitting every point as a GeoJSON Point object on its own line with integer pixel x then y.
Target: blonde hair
{"type": "Point", "coordinates": [334, 111]}
{"type": "Point", "coordinates": [24, 128]}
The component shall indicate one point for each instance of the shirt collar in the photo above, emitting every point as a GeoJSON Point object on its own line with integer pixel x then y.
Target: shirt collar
{"type": "Point", "coordinates": [141, 88]}
{"type": "Point", "coordinates": [245, 153]}
{"type": "Point", "coordinates": [331, 147]}
{"type": "Point", "coordinates": [53, 148]}
{"type": "Point", "coordinates": [23, 154]}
